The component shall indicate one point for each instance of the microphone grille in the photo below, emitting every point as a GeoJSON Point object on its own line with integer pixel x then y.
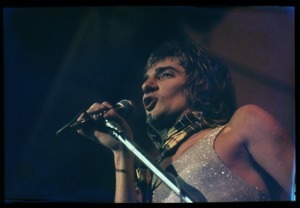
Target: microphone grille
{"type": "Point", "coordinates": [127, 107]}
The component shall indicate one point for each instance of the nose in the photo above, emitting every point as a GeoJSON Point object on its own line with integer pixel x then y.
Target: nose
{"type": "Point", "coordinates": [149, 85]}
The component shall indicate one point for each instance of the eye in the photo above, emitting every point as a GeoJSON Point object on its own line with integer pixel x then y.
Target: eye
{"type": "Point", "coordinates": [164, 75]}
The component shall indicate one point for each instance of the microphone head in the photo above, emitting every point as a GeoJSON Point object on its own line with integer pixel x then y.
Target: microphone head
{"type": "Point", "coordinates": [125, 107]}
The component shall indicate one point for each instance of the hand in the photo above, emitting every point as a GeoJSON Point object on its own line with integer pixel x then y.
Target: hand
{"type": "Point", "coordinates": [97, 132]}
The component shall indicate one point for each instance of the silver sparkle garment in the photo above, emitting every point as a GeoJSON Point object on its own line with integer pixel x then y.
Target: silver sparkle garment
{"type": "Point", "coordinates": [201, 168]}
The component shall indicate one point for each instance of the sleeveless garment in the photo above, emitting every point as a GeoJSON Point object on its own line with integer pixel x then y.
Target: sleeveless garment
{"type": "Point", "coordinates": [201, 168]}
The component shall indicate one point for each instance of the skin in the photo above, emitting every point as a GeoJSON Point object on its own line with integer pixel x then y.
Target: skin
{"type": "Point", "coordinates": [253, 144]}
{"type": "Point", "coordinates": [164, 84]}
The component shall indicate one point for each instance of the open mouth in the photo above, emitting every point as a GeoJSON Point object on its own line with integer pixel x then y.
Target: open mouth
{"type": "Point", "coordinates": [149, 103]}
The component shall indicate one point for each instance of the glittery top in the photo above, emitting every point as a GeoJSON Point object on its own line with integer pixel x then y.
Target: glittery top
{"type": "Point", "coordinates": [201, 168]}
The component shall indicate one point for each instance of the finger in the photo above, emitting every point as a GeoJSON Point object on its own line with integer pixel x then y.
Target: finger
{"type": "Point", "coordinates": [95, 108]}
{"type": "Point", "coordinates": [107, 104]}
{"type": "Point", "coordinates": [99, 108]}
{"type": "Point", "coordinates": [95, 111]}
{"type": "Point", "coordinates": [82, 116]}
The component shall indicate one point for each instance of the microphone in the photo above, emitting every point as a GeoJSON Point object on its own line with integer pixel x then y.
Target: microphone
{"type": "Point", "coordinates": [123, 107]}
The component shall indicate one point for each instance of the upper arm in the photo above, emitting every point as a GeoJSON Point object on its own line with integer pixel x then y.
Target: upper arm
{"type": "Point", "coordinates": [267, 142]}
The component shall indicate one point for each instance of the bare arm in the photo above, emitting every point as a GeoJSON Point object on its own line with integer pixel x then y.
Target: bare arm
{"type": "Point", "coordinates": [123, 159]}
{"type": "Point", "coordinates": [268, 143]}
{"type": "Point", "coordinates": [125, 184]}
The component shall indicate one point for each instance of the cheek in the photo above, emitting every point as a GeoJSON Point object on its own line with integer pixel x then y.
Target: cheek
{"type": "Point", "coordinates": [176, 98]}
{"type": "Point", "coordinates": [173, 93]}
{"type": "Point", "coordinates": [176, 92]}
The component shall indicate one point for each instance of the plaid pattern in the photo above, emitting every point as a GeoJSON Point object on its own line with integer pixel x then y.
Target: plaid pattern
{"type": "Point", "coordinates": [187, 125]}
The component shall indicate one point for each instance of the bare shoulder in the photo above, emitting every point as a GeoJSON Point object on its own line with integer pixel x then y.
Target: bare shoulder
{"type": "Point", "coordinates": [266, 141]}
{"type": "Point", "coordinates": [254, 115]}
{"type": "Point", "coordinates": [252, 112]}
{"type": "Point", "coordinates": [251, 119]}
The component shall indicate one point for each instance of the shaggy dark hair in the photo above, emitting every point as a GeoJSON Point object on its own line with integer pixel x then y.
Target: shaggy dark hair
{"type": "Point", "coordinates": [208, 85]}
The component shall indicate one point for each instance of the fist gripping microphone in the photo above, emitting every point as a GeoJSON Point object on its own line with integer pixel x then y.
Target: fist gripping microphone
{"type": "Point", "coordinates": [123, 107]}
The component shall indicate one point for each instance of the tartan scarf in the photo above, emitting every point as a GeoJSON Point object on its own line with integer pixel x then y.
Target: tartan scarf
{"type": "Point", "coordinates": [186, 125]}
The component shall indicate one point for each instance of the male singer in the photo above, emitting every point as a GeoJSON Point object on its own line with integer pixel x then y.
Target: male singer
{"type": "Point", "coordinates": [221, 152]}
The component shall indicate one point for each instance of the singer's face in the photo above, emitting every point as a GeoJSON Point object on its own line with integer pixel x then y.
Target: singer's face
{"type": "Point", "coordinates": [164, 99]}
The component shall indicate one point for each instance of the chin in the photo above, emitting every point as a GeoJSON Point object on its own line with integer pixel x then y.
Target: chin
{"type": "Point", "coordinates": [160, 121]}
{"type": "Point", "coordinates": [151, 118]}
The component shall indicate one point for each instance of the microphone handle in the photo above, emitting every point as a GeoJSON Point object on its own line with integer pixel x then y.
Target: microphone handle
{"type": "Point", "coordinates": [123, 107]}
{"type": "Point", "coordinates": [75, 125]}
{"type": "Point", "coordinates": [69, 126]}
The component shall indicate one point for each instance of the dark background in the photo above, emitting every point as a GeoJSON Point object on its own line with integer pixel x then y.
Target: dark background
{"type": "Point", "coordinates": [59, 60]}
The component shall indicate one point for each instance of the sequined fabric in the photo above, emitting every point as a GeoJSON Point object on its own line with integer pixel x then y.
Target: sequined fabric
{"type": "Point", "coordinates": [201, 168]}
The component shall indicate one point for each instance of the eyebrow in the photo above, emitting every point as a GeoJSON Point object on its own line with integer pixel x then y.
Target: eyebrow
{"type": "Point", "coordinates": [162, 69]}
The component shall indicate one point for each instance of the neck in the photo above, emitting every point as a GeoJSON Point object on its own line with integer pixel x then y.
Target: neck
{"type": "Point", "coordinates": [159, 133]}
{"type": "Point", "coordinates": [186, 125]}
{"type": "Point", "coordinates": [160, 126]}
